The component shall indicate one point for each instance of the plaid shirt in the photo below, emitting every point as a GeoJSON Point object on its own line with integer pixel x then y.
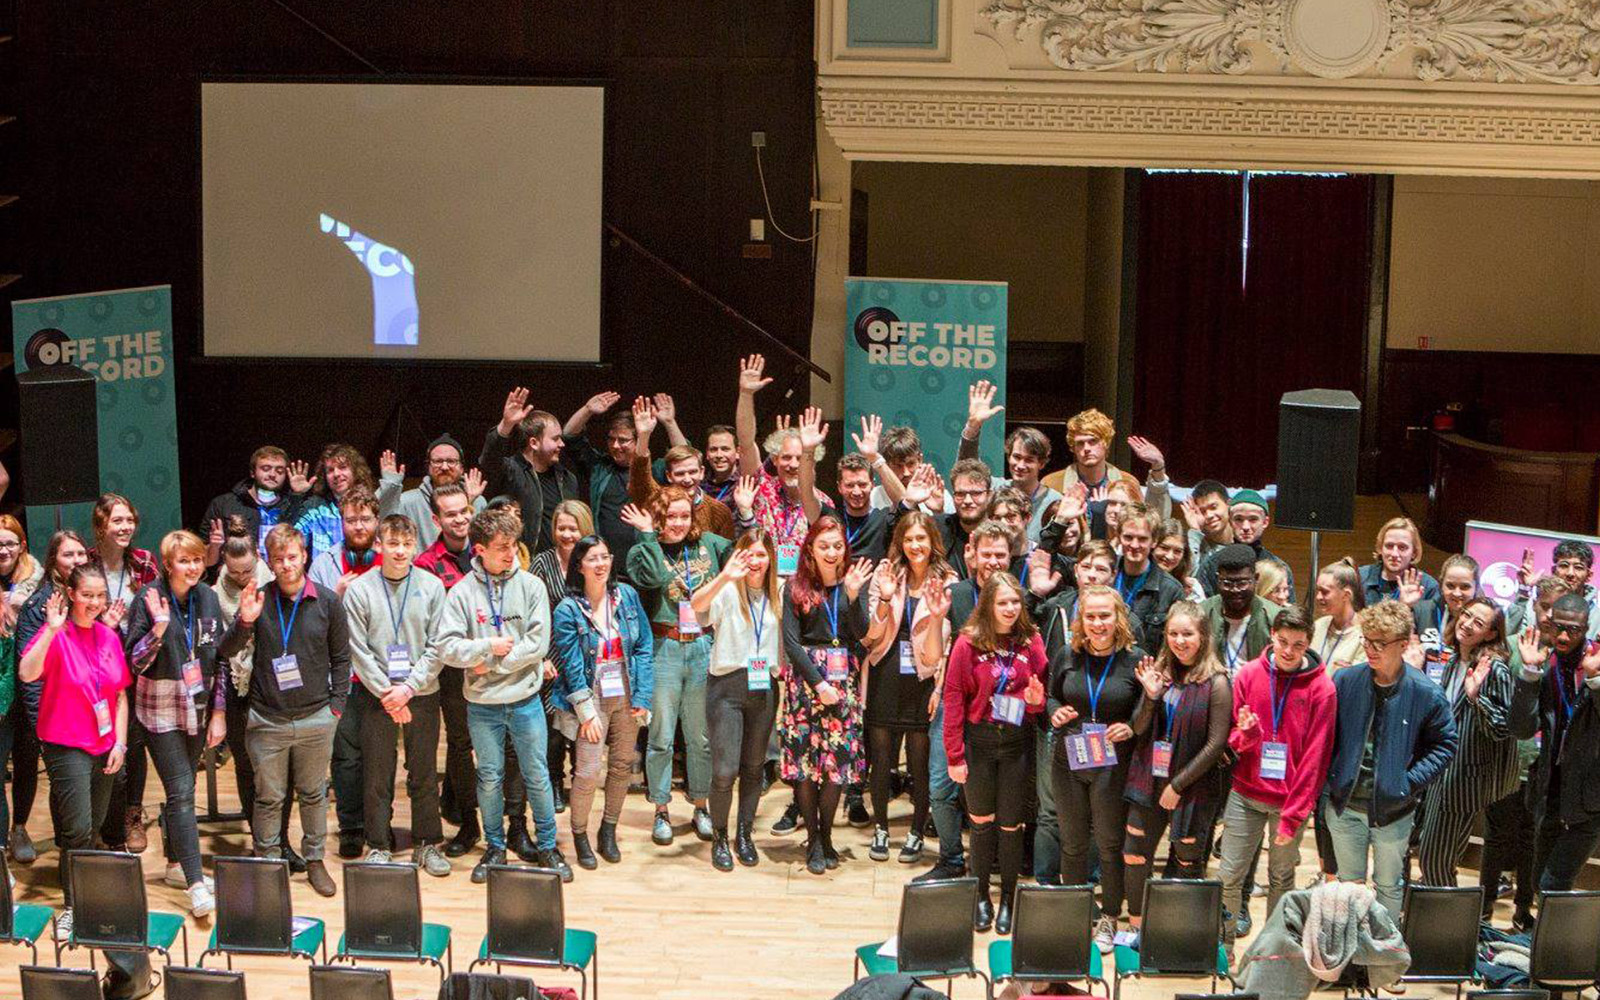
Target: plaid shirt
{"type": "Point", "coordinates": [442, 563]}
{"type": "Point", "coordinates": [164, 706]}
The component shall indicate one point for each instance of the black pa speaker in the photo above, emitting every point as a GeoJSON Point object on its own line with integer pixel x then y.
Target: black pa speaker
{"type": "Point", "coordinates": [60, 434]}
{"type": "Point", "coordinates": [1319, 436]}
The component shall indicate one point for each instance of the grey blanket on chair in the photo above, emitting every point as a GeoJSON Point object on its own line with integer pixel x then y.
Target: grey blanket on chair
{"type": "Point", "coordinates": [1313, 937]}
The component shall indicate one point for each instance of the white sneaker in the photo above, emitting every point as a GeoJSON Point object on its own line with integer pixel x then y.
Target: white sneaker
{"type": "Point", "coordinates": [378, 855]}
{"type": "Point", "coordinates": [178, 880]}
{"type": "Point", "coordinates": [201, 902]}
{"type": "Point", "coordinates": [64, 925]}
{"type": "Point", "coordinates": [1105, 934]}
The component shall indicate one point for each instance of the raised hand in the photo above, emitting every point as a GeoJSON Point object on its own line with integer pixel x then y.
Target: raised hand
{"type": "Point", "coordinates": [1411, 587]}
{"type": "Point", "coordinates": [217, 535]}
{"type": "Point", "coordinates": [936, 498]}
{"type": "Point", "coordinates": [637, 518]}
{"type": "Point", "coordinates": [1074, 504]}
{"type": "Point", "coordinates": [935, 598]}
{"type": "Point", "coordinates": [1063, 715]}
{"type": "Point", "coordinates": [867, 441]}
{"type": "Point", "coordinates": [1191, 514]}
{"type": "Point", "coordinates": [515, 410]}
{"type": "Point", "coordinates": [1145, 451]}
{"type": "Point", "coordinates": [884, 581]}
{"type": "Point", "coordinates": [666, 408]}
{"type": "Point", "coordinates": [1245, 719]}
{"type": "Point", "coordinates": [980, 402]}
{"type": "Point", "coordinates": [856, 577]}
{"type": "Point", "coordinates": [750, 374]}
{"type": "Point", "coordinates": [782, 422]}
{"type": "Point", "coordinates": [744, 493]}
{"type": "Point", "coordinates": [298, 481]}
{"type": "Point", "coordinates": [160, 613]}
{"type": "Point", "coordinates": [1415, 655]}
{"type": "Point", "coordinates": [1034, 693]}
{"type": "Point", "coordinates": [600, 402]}
{"type": "Point", "coordinates": [644, 416]}
{"type": "Point", "coordinates": [1527, 574]}
{"type": "Point", "coordinates": [1151, 678]}
{"type": "Point", "coordinates": [920, 488]}
{"type": "Point", "coordinates": [813, 432]}
{"type": "Point", "coordinates": [1531, 646]}
{"type": "Point", "coordinates": [474, 483]}
{"type": "Point", "coordinates": [251, 601]}
{"type": "Point", "coordinates": [737, 565]}
{"type": "Point", "coordinates": [1472, 683]}
{"type": "Point", "coordinates": [1043, 578]}
{"type": "Point", "coordinates": [112, 616]}
{"type": "Point", "coordinates": [55, 610]}
{"type": "Point", "coordinates": [1591, 660]}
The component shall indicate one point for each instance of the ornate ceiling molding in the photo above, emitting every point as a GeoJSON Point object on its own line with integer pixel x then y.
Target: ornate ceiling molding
{"type": "Point", "coordinates": [1496, 41]}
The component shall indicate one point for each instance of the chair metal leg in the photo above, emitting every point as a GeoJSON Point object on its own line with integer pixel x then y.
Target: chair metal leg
{"type": "Point", "coordinates": [450, 956]}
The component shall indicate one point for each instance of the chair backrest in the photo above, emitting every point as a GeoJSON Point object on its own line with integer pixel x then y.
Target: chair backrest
{"type": "Point", "coordinates": [1182, 923]}
{"type": "Point", "coordinates": [350, 982]}
{"type": "Point", "coordinates": [109, 908]}
{"type": "Point", "coordinates": [254, 912]}
{"type": "Point", "coordinates": [1053, 932]}
{"type": "Point", "coordinates": [935, 935]}
{"type": "Point", "coordinates": [382, 909]}
{"type": "Point", "coordinates": [1564, 951]}
{"type": "Point", "coordinates": [1216, 996]}
{"type": "Point", "coordinates": [1441, 929]}
{"type": "Point", "coordinates": [203, 984]}
{"type": "Point", "coordinates": [484, 986]}
{"type": "Point", "coordinates": [527, 918]}
{"type": "Point", "coordinates": [1523, 994]}
{"type": "Point", "coordinates": [48, 983]}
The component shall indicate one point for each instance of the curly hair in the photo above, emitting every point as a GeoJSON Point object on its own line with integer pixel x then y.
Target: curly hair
{"type": "Point", "coordinates": [1121, 639]}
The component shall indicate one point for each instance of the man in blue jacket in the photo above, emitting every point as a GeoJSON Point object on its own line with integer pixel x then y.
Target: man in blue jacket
{"type": "Point", "coordinates": [1394, 735]}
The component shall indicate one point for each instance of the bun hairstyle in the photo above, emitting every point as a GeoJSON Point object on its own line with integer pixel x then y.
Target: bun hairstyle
{"type": "Point", "coordinates": [237, 538]}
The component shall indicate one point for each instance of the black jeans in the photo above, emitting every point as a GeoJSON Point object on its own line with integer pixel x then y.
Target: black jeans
{"type": "Point", "coordinates": [349, 785]}
{"type": "Point", "coordinates": [1186, 858]}
{"type": "Point", "coordinates": [883, 753]}
{"type": "Point", "coordinates": [380, 758]}
{"type": "Point", "coordinates": [999, 768]}
{"type": "Point", "coordinates": [24, 718]}
{"type": "Point", "coordinates": [1090, 803]}
{"type": "Point", "coordinates": [1508, 846]}
{"type": "Point", "coordinates": [1562, 850]}
{"type": "Point", "coordinates": [739, 722]}
{"type": "Point", "coordinates": [175, 755]}
{"type": "Point", "coordinates": [127, 789]}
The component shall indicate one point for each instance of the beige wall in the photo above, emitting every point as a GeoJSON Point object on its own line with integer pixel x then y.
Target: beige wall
{"type": "Point", "coordinates": [1019, 224]}
{"type": "Point", "coordinates": [1495, 264]}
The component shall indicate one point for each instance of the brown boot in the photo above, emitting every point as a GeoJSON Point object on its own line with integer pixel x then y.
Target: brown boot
{"type": "Point", "coordinates": [134, 825]}
{"type": "Point", "coordinates": [321, 881]}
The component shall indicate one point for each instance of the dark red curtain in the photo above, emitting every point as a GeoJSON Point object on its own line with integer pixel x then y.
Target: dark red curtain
{"type": "Point", "coordinates": [1214, 353]}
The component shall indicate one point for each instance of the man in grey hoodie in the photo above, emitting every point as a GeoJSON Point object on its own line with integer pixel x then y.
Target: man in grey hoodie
{"type": "Point", "coordinates": [394, 624]}
{"type": "Point", "coordinates": [496, 627]}
{"type": "Point", "coordinates": [444, 466]}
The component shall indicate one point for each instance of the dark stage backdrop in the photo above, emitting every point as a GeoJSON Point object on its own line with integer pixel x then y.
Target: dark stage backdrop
{"type": "Point", "coordinates": [106, 100]}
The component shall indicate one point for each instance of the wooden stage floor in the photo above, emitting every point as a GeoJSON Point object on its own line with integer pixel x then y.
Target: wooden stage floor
{"type": "Point", "coordinates": [671, 927]}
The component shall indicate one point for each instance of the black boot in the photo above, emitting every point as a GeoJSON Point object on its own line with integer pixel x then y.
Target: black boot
{"type": "Point", "coordinates": [816, 862]}
{"type": "Point", "coordinates": [983, 913]}
{"type": "Point", "coordinates": [584, 853]}
{"type": "Point", "coordinates": [1002, 920]}
{"type": "Point", "coordinates": [744, 848]}
{"type": "Point", "coordinates": [721, 857]}
{"type": "Point", "coordinates": [517, 841]}
{"type": "Point", "coordinates": [560, 797]}
{"type": "Point", "coordinates": [1010, 852]}
{"type": "Point", "coordinates": [465, 839]}
{"type": "Point", "coordinates": [608, 842]}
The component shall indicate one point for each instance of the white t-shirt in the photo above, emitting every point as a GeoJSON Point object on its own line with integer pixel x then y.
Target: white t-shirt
{"type": "Point", "coordinates": [735, 640]}
{"type": "Point", "coordinates": [1339, 647]}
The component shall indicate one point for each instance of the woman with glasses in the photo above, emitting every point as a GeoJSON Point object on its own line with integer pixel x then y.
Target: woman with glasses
{"type": "Point", "coordinates": [1479, 685]}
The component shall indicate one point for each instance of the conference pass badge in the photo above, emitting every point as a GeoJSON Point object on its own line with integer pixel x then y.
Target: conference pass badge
{"type": "Point", "coordinates": [836, 664]}
{"type": "Point", "coordinates": [1008, 708]}
{"type": "Point", "coordinates": [908, 659]}
{"type": "Point", "coordinates": [1435, 665]}
{"type": "Point", "coordinates": [1161, 759]}
{"type": "Point", "coordinates": [102, 716]}
{"type": "Point", "coordinates": [287, 670]}
{"type": "Point", "coordinates": [757, 676]}
{"type": "Point", "coordinates": [608, 668]}
{"type": "Point", "coordinates": [688, 624]}
{"type": "Point", "coordinates": [788, 559]}
{"type": "Point", "coordinates": [193, 680]}
{"type": "Point", "coordinates": [1274, 761]}
{"type": "Point", "coordinates": [398, 657]}
{"type": "Point", "coordinates": [1089, 749]}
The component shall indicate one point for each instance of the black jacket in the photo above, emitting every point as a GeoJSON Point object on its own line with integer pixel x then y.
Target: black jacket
{"type": "Point", "coordinates": [1157, 593]}
{"type": "Point", "coordinates": [239, 501]}
{"type": "Point", "coordinates": [509, 473]}
{"type": "Point", "coordinates": [1569, 753]}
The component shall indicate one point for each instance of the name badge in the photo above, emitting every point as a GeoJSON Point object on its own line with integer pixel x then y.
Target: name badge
{"type": "Point", "coordinates": [1435, 666]}
{"type": "Point", "coordinates": [1088, 749]}
{"type": "Point", "coordinates": [399, 660]}
{"type": "Point", "coordinates": [610, 678]}
{"type": "Point", "coordinates": [837, 664]}
{"type": "Point", "coordinates": [908, 659]}
{"type": "Point", "coordinates": [757, 675]}
{"type": "Point", "coordinates": [688, 624]}
{"type": "Point", "coordinates": [1008, 708]}
{"type": "Point", "coordinates": [1161, 758]}
{"type": "Point", "coordinates": [788, 559]}
{"type": "Point", "coordinates": [287, 669]}
{"type": "Point", "coordinates": [1274, 761]}
{"type": "Point", "coordinates": [102, 716]}
{"type": "Point", "coordinates": [193, 680]}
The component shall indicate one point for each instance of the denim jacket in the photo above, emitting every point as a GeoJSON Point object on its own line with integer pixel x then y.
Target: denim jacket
{"type": "Point", "coordinates": [575, 641]}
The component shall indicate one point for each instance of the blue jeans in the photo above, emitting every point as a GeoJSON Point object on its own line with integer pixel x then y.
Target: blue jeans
{"type": "Point", "coordinates": [524, 722]}
{"type": "Point", "coordinates": [943, 794]}
{"type": "Point", "coordinates": [679, 697]}
{"type": "Point", "coordinates": [1352, 834]}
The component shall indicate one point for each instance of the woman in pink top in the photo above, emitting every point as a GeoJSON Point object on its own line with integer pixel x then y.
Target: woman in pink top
{"type": "Point", "coordinates": [83, 712]}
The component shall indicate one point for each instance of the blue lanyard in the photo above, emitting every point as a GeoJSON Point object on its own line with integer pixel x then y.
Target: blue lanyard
{"type": "Point", "coordinates": [1230, 652]}
{"type": "Point", "coordinates": [1128, 593]}
{"type": "Point", "coordinates": [1095, 688]}
{"type": "Point", "coordinates": [1568, 702]}
{"type": "Point", "coordinates": [494, 608]}
{"type": "Point", "coordinates": [851, 534]}
{"type": "Point", "coordinates": [758, 621]}
{"type": "Point", "coordinates": [1006, 663]}
{"type": "Point", "coordinates": [1278, 704]}
{"type": "Point", "coordinates": [1331, 641]}
{"type": "Point", "coordinates": [688, 572]}
{"type": "Point", "coordinates": [288, 630]}
{"type": "Point", "coordinates": [831, 609]}
{"type": "Point", "coordinates": [1170, 703]}
{"type": "Point", "coordinates": [405, 595]}
{"type": "Point", "coordinates": [186, 619]}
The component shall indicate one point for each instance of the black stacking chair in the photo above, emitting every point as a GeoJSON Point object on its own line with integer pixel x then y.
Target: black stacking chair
{"type": "Point", "coordinates": [41, 982]}
{"type": "Point", "coordinates": [1566, 941]}
{"type": "Point", "coordinates": [1179, 936]}
{"type": "Point", "coordinates": [1441, 929]}
{"type": "Point", "coordinates": [255, 914]}
{"type": "Point", "coordinates": [111, 912]}
{"type": "Point", "coordinates": [203, 984]}
{"type": "Point", "coordinates": [528, 926]}
{"type": "Point", "coordinates": [1052, 939]}
{"type": "Point", "coordinates": [350, 982]}
{"type": "Point", "coordinates": [935, 936]}
{"type": "Point", "coordinates": [383, 918]}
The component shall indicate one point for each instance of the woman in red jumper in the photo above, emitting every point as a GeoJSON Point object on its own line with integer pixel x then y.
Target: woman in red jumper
{"type": "Point", "coordinates": [993, 682]}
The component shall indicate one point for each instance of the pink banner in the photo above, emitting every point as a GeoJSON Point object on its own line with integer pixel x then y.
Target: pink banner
{"type": "Point", "coordinates": [1499, 549]}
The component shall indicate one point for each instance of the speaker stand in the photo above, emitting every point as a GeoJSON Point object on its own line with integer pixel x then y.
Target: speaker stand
{"type": "Point", "coordinates": [1316, 567]}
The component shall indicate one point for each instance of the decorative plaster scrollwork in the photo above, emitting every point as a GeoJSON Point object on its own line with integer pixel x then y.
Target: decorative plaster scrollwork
{"type": "Point", "coordinates": [1506, 41]}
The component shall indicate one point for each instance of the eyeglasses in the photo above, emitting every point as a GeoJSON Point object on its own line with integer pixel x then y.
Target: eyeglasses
{"type": "Point", "coordinates": [8, 546]}
{"type": "Point", "coordinates": [1379, 644]}
{"type": "Point", "coordinates": [446, 462]}
{"type": "Point", "coordinates": [970, 494]}
{"type": "Point", "coordinates": [1569, 629]}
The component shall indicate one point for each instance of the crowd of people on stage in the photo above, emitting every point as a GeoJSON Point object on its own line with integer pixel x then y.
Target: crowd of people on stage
{"type": "Point", "coordinates": [1061, 669]}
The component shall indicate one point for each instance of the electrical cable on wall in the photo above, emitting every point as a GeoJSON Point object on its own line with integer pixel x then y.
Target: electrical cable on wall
{"type": "Point", "coordinates": [762, 175]}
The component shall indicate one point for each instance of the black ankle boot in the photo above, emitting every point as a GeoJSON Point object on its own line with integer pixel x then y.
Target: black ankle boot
{"type": "Point", "coordinates": [608, 842]}
{"type": "Point", "coordinates": [518, 843]}
{"type": "Point", "coordinates": [983, 914]}
{"type": "Point", "coordinates": [583, 852]}
{"type": "Point", "coordinates": [1002, 919]}
{"type": "Point", "coordinates": [721, 857]}
{"type": "Point", "coordinates": [744, 848]}
{"type": "Point", "coordinates": [816, 861]}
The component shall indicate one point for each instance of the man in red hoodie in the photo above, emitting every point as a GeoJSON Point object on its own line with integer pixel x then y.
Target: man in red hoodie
{"type": "Point", "coordinates": [1283, 704]}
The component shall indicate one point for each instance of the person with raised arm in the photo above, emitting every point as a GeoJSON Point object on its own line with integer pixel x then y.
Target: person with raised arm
{"type": "Point", "coordinates": [521, 458]}
{"type": "Point", "coordinates": [1027, 453]}
{"type": "Point", "coordinates": [682, 466]}
{"type": "Point", "coordinates": [867, 527]}
{"type": "Point", "coordinates": [262, 501]}
{"type": "Point", "coordinates": [782, 504]}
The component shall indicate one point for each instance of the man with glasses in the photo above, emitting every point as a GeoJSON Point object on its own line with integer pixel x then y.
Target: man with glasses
{"type": "Point", "coordinates": [1394, 736]}
{"type": "Point", "coordinates": [1558, 694]}
{"type": "Point", "coordinates": [445, 466]}
{"type": "Point", "coordinates": [969, 484]}
{"type": "Point", "coordinates": [1241, 622]}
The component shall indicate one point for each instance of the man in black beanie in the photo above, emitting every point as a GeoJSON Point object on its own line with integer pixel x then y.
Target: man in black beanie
{"type": "Point", "coordinates": [444, 466]}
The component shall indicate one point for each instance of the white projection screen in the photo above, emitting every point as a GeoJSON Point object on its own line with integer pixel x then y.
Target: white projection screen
{"type": "Point", "coordinates": [402, 220]}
